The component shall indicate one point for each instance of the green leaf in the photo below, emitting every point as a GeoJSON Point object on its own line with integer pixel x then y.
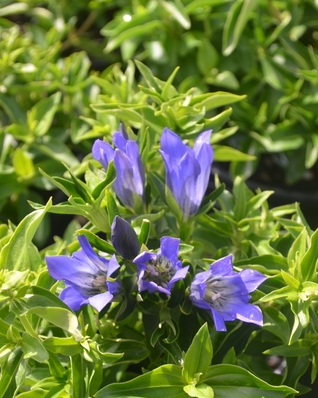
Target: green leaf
{"type": "Point", "coordinates": [168, 84]}
{"type": "Point", "coordinates": [137, 31]}
{"type": "Point", "coordinates": [308, 264]}
{"type": "Point", "coordinates": [148, 76]}
{"type": "Point", "coordinates": [284, 292]}
{"type": "Point", "coordinates": [178, 12]}
{"type": "Point", "coordinates": [144, 232]}
{"type": "Point", "coordinates": [163, 381]}
{"type": "Point", "coordinates": [240, 194]}
{"type": "Point", "coordinates": [198, 357]}
{"type": "Point", "coordinates": [298, 349]}
{"type": "Point", "coordinates": [199, 391]}
{"type": "Point", "coordinates": [78, 376]}
{"type": "Point", "coordinates": [234, 381]}
{"type": "Point", "coordinates": [33, 348]}
{"type": "Point", "coordinates": [61, 317]}
{"type": "Point", "coordinates": [41, 115]}
{"type": "Point", "coordinates": [215, 100]}
{"type": "Point", "coordinates": [23, 164]}
{"type": "Point", "coordinates": [290, 280]}
{"type": "Point", "coordinates": [257, 201]}
{"type": "Point", "coordinates": [207, 57]}
{"type": "Point", "coordinates": [276, 323]}
{"type": "Point", "coordinates": [12, 108]}
{"type": "Point", "coordinates": [56, 150]}
{"type": "Point", "coordinates": [223, 134]}
{"type": "Point", "coordinates": [9, 371]}
{"type": "Point", "coordinates": [107, 182]}
{"type": "Point", "coordinates": [96, 241]}
{"type": "Point", "coordinates": [173, 205]}
{"type": "Point", "coordinates": [228, 154]}
{"type": "Point", "coordinates": [112, 208]}
{"type": "Point", "coordinates": [296, 253]}
{"type": "Point", "coordinates": [67, 346]}
{"type": "Point", "coordinates": [20, 253]}
{"type": "Point", "coordinates": [235, 24]}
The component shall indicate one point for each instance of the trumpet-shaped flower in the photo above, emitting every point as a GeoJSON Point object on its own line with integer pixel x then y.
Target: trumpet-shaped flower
{"type": "Point", "coordinates": [130, 179]}
{"type": "Point", "coordinates": [124, 239]}
{"type": "Point", "coordinates": [157, 273]}
{"type": "Point", "coordinates": [225, 293]}
{"type": "Point", "coordinates": [87, 276]}
{"type": "Point", "coordinates": [187, 170]}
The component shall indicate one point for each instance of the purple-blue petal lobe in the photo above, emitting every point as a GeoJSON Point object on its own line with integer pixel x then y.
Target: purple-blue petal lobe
{"type": "Point", "coordinates": [86, 276]}
{"type": "Point", "coordinates": [130, 180]}
{"type": "Point", "coordinates": [178, 276]}
{"type": "Point", "coordinates": [99, 301]}
{"type": "Point", "coordinates": [226, 293]}
{"type": "Point", "coordinates": [250, 313]}
{"type": "Point", "coordinates": [252, 279]}
{"type": "Point", "coordinates": [223, 267]}
{"type": "Point", "coordinates": [187, 170]}
{"type": "Point", "coordinates": [157, 273]}
{"type": "Point", "coordinates": [218, 321]}
{"type": "Point", "coordinates": [169, 248]}
{"type": "Point", "coordinates": [103, 153]}
{"type": "Point", "coordinates": [72, 298]}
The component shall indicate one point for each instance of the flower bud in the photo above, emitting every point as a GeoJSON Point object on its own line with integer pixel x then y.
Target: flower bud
{"type": "Point", "coordinates": [124, 239]}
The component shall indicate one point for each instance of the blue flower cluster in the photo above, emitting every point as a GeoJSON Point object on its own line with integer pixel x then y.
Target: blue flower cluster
{"type": "Point", "coordinates": [93, 280]}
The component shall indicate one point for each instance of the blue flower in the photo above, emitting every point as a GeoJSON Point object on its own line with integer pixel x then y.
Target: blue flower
{"type": "Point", "coordinates": [124, 239]}
{"type": "Point", "coordinates": [130, 179]}
{"type": "Point", "coordinates": [225, 293]}
{"type": "Point", "coordinates": [187, 170]}
{"type": "Point", "coordinates": [157, 273]}
{"type": "Point", "coordinates": [87, 277]}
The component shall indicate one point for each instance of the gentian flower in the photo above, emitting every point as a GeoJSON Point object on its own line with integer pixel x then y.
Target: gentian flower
{"type": "Point", "coordinates": [187, 170]}
{"type": "Point", "coordinates": [86, 276]}
{"type": "Point", "coordinates": [225, 293]}
{"type": "Point", "coordinates": [130, 179]}
{"type": "Point", "coordinates": [157, 273]}
{"type": "Point", "coordinates": [124, 239]}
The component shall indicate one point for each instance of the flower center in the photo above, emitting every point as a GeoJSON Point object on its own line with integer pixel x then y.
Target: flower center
{"type": "Point", "coordinates": [159, 270]}
{"type": "Point", "coordinates": [97, 285]}
{"type": "Point", "coordinates": [218, 293]}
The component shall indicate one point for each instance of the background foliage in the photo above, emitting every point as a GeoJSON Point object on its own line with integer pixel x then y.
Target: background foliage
{"type": "Point", "coordinates": [70, 71]}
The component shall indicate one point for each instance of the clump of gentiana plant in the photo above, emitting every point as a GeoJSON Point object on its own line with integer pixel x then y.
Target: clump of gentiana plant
{"type": "Point", "coordinates": [165, 288]}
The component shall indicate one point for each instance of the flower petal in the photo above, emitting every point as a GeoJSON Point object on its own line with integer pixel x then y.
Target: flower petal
{"type": "Point", "coordinates": [102, 152]}
{"type": "Point", "coordinates": [249, 313]}
{"type": "Point", "coordinates": [151, 287]}
{"type": "Point", "coordinates": [72, 298]}
{"type": "Point", "coordinates": [67, 268]}
{"type": "Point", "coordinates": [124, 184]}
{"type": "Point", "coordinates": [203, 138]}
{"type": "Point", "coordinates": [120, 141]}
{"type": "Point", "coordinates": [172, 146]}
{"type": "Point", "coordinates": [223, 266]}
{"type": "Point", "coordinates": [169, 248]}
{"type": "Point", "coordinates": [113, 266]}
{"type": "Point", "coordinates": [99, 301]}
{"type": "Point", "coordinates": [97, 262]}
{"type": "Point", "coordinates": [204, 158]}
{"type": "Point", "coordinates": [144, 258]}
{"type": "Point", "coordinates": [132, 151]}
{"type": "Point", "coordinates": [122, 131]}
{"type": "Point", "coordinates": [180, 274]}
{"type": "Point", "coordinates": [189, 170]}
{"type": "Point", "coordinates": [252, 279]}
{"type": "Point", "coordinates": [218, 321]}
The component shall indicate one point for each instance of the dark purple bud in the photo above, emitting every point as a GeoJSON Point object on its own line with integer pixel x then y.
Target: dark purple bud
{"type": "Point", "coordinates": [124, 239]}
